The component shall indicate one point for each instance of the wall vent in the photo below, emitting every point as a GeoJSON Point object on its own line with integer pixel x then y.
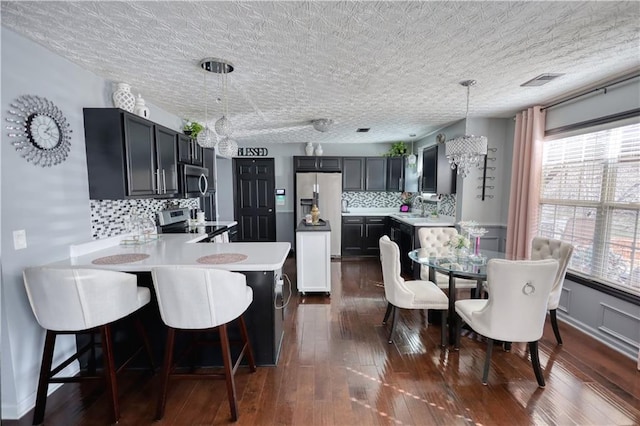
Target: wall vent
{"type": "Point", "coordinates": [363, 129]}
{"type": "Point", "coordinates": [541, 79]}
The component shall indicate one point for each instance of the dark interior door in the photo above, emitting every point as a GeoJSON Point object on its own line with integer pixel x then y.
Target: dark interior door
{"type": "Point", "coordinates": [254, 199]}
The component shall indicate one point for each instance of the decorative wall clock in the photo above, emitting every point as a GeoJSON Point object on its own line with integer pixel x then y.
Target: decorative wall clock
{"type": "Point", "coordinates": [40, 131]}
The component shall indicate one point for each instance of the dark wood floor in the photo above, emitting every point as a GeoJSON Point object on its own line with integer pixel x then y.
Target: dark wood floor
{"type": "Point", "coordinates": [336, 368]}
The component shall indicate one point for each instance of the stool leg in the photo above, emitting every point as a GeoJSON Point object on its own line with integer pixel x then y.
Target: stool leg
{"type": "Point", "coordinates": [43, 381]}
{"type": "Point", "coordinates": [554, 324]}
{"type": "Point", "coordinates": [247, 343]}
{"type": "Point", "coordinates": [487, 361]}
{"type": "Point", "coordinates": [387, 313]}
{"type": "Point", "coordinates": [535, 362]}
{"type": "Point", "coordinates": [91, 364]}
{"type": "Point", "coordinates": [394, 320]}
{"type": "Point", "coordinates": [166, 369]}
{"type": "Point", "coordinates": [228, 372]}
{"type": "Point", "coordinates": [110, 371]}
{"type": "Point", "coordinates": [145, 342]}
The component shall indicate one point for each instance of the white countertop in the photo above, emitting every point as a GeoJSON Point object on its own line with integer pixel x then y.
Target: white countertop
{"type": "Point", "coordinates": [180, 249]}
{"type": "Point", "coordinates": [411, 218]}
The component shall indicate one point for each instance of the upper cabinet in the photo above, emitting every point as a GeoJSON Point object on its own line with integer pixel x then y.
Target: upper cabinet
{"type": "Point", "coordinates": [317, 164]}
{"type": "Point", "coordinates": [129, 156]}
{"type": "Point", "coordinates": [189, 151]}
{"type": "Point", "coordinates": [395, 174]}
{"type": "Point", "coordinates": [364, 174]}
{"type": "Point", "coordinates": [375, 174]}
{"type": "Point", "coordinates": [437, 175]}
{"type": "Point", "coordinates": [353, 173]}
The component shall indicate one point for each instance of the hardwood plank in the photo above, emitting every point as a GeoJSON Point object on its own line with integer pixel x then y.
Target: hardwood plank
{"type": "Point", "coordinates": [336, 368]}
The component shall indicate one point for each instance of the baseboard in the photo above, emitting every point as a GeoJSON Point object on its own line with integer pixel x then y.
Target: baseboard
{"type": "Point", "coordinates": [17, 411]}
{"type": "Point", "coordinates": [632, 353]}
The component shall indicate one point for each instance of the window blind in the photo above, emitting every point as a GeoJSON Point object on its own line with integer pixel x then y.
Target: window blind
{"type": "Point", "coordinates": [590, 197]}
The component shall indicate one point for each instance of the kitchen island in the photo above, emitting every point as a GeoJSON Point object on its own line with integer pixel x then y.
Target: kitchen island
{"type": "Point", "coordinates": [261, 263]}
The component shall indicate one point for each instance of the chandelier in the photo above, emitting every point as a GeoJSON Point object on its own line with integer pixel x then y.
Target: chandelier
{"type": "Point", "coordinates": [466, 151]}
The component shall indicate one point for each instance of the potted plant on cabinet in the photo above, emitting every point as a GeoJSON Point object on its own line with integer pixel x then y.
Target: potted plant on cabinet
{"type": "Point", "coordinates": [192, 128]}
{"type": "Point", "coordinates": [398, 149]}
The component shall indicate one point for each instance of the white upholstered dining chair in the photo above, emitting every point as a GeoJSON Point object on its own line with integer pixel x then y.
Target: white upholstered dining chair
{"type": "Point", "coordinates": [79, 301]}
{"type": "Point", "coordinates": [434, 240]}
{"type": "Point", "coordinates": [196, 299]}
{"type": "Point", "coordinates": [516, 308]}
{"type": "Point", "coordinates": [547, 248]}
{"type": "Point", "coordinates": [417, 294]}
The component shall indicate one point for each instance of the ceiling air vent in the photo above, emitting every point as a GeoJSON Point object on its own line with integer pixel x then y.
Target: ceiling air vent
{"type": "Point", "coordinates": [541, 79]}
{"type": "Point", "coordinates": [363, 129]}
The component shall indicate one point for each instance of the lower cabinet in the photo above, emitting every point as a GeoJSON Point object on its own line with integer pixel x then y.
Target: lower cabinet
{"type": "Point", "coordinates": [403, 235]}
{"type": "Point", "coordinates": [360, 235]}
{"type": "Point", "coordinates": [313, 261]}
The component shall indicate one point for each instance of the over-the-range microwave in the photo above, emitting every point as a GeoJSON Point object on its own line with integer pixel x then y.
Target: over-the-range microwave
{"type": "Point", "coordinates": [193, 180]}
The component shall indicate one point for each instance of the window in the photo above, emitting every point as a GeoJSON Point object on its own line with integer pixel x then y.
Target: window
{"type": "Point", "coordinates": [590, 196]}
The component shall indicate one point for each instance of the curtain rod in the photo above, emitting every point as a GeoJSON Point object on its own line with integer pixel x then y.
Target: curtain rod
{"type": "Point", "coordinates": [597, 89]}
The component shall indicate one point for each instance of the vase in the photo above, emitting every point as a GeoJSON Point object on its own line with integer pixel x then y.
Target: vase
{"type": "Point", "coordinates": [319, 150]}
{"type": "Point", "coordinates": [315, 215]}
{"type": "Point", "coordinates": [308, 149]}
{"type": "Point", "coordinates": [140, 107]}
{"type": "Point", "coordinates": [123, 98]}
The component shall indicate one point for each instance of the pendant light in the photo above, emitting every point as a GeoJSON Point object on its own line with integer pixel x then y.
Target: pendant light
{"type": "Point", "coordinates": [411, 159]}
{"type": "Point", "coordinates": [466, 151]}
{"type": "Point", "coordinates": [206, 138]}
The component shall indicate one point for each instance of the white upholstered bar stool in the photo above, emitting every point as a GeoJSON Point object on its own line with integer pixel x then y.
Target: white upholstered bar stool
{"type": "Point", "coordinates": [516, 308]}
{"type": "Point", "coordinates": [547, 248]}
{"type": "Point", "coordinates": [200, 300]}
{"type": "Point", "coordinates": [417, 294]}
{"type": "Point", "coordinates": [75, 301]}
{"type": "Point", "coordinates": [434, 240]}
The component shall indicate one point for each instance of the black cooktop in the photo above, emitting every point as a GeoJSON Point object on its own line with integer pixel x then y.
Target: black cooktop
{"type": "Point", "coordinates": [184, 228]}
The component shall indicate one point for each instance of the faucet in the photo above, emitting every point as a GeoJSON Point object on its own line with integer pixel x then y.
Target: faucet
{"type": "Point", "coordinates": [423, 205]}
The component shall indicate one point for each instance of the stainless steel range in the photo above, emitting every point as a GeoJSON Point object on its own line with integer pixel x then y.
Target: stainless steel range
{"type": "Point", "coordinates": [176, 221]}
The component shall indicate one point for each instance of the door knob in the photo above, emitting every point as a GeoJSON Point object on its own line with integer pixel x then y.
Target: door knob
{"type": "Point", "coordinates": [270, 210]}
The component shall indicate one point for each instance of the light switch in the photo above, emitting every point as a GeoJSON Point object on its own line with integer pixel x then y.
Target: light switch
{"type": "Point", "coordinates": [19, 239]}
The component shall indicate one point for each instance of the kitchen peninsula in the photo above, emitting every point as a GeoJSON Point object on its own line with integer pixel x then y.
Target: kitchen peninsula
{"type": "Point", "coordinates": [261, 263]}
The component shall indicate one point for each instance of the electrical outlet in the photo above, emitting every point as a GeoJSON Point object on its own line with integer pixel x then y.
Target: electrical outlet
{"type": "Point", "coordinates": [19, 239]}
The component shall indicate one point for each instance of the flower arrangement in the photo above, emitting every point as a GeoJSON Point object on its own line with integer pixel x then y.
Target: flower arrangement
{"type": "Point", "coordinates": [458, 241]}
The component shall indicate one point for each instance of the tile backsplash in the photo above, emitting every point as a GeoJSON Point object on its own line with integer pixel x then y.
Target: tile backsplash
{"type": "Point", "coordinates": [107, 216]}
{"type": "Point", "coordinates": [366, 199]}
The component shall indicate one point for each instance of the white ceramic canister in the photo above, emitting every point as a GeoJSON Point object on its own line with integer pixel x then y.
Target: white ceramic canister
{"type": "Point", "coordinates": [123, 98]}
{"type": "Point", "coordinates": [141, 108]}
{"type": "Point", "coordinates": [308, 149]}
{"type": "Point", "coordinates": [319, 150]}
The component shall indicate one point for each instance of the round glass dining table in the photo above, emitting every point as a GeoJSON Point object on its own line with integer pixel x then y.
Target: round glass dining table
{"type": "Point", "coordinates": [474, 268]}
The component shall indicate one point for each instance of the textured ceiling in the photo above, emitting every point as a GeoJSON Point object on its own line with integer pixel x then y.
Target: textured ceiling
{"type": "Point", "coordinates": [390, 66]}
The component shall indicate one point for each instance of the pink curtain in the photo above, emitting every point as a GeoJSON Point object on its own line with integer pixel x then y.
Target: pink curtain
{"type": "Point", "coordinates": [525, 182]}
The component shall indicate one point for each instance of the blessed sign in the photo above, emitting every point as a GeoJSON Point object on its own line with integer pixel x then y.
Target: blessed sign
{"type": "Point", "coordinates": [252, 152]}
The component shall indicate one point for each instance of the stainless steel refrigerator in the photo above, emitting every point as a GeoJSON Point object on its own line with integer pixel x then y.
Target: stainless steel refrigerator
{"type": "Point", "coordinates": [327, 189]}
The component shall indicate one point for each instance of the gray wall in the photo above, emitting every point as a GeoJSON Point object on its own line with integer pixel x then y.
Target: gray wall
{"type": "Point", "coordinates": [51, 204]}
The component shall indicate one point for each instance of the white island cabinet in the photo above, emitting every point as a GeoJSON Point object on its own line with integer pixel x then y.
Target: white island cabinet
{"type": "Point", "coordinates": [313, 257]}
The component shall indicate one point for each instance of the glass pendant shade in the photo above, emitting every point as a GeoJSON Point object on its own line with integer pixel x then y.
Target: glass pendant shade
{"type": "Point", "coordinates": [223, 126]}
{"type": "Point", "coordinates": [465, 152]}
{"type": "Point", "coordinates": [207, 138]}
{"type": "Point", "coordinates": [227, 148]}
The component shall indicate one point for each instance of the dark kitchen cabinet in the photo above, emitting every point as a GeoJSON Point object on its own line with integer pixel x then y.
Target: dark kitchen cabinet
{"type": "Point", "coordinates": [353, 173]}
{"type": "Point", "coordinates": [189, 151]}
{"type": "Point", "coordinates": [403, 235]}
{"type": "Point", "coordinates": [374, 228]}
{"type": "Point", "coordinates": [352, 232]}
{"type": "Point", "coordinates": [209, 161]}
{"type": "Point", "coordinates": [375, 174]}
{"type": "Point", "coordinates": [128, 156]}
{"type": "Point", "coordinates": [437, 175]}
{"type": "Point", "coordinates": [395, 174]}
{"type": "Point", "coordinates": [361, 235]}
{"type": "Point", "coordinates": [317, 164]}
